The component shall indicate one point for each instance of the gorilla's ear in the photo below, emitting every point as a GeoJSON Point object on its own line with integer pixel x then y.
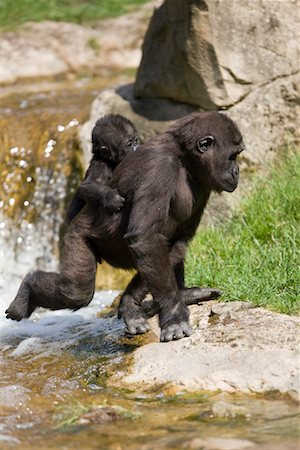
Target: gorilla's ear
{"type": "Point", "coordinates": [101, 151]}
{"type": "Point", "coordinates": [105, 152]}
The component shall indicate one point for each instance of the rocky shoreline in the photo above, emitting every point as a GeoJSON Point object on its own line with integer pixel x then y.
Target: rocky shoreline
{"type": "Point", "coordinates": [235, 347]}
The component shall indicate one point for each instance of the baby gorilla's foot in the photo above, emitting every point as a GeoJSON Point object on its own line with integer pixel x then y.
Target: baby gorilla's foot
{"type": "Point", "coordinates": [134, 317]}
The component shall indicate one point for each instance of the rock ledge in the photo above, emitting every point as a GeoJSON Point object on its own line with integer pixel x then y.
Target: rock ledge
{"type": "Point", "coordinates": [235, 347]}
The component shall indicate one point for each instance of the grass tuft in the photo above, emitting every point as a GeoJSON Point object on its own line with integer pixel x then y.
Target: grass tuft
{"type": "Point", "coordinates": [256, 255]}
{"type": "Point", "coordinates": [15, 13]}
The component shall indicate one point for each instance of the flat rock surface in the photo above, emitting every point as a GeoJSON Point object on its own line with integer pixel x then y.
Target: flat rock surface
{"type": "Point", "coordinates": [235, 347]}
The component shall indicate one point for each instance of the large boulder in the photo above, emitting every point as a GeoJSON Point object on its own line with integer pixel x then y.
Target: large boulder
{"type": "Point", "coordinates": [179, 59]}
{"type": "Point", "coordinates": [211, 53]}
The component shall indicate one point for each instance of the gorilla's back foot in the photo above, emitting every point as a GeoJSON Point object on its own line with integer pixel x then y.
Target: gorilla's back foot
{"type": "Point", "coordinates": [21, 307]}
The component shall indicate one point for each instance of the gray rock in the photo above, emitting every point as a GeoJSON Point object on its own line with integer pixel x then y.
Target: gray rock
{"type": "Point", "coordinates": [9, 439]}
{"type": "Point", "coordinates": [214, 443]}
{"type": "Point", "coordinates": [256, 41]}
{"type": "Point", "coordinates": [250, 55]}
{"type": "Point", "coordinates": [211, 53]}
{"type": "Point", "coordinates": [234, 347]}
{"type": "Point", "coordinates": [269, 119]}
{"type": "Point", "coordinates": [14, 395]}
{"type": "Point", "coordinates": [27, 346]}
{"type": "Point", "coordinates": [179, 59]}
{"type": "Point", "coordinates": [226, 409]}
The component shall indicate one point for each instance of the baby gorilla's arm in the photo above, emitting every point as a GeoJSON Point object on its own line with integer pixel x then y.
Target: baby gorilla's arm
{"type": "Point", "coordinates": [97, 193]}
{"type": "Point", "coordinates": [94, 190]}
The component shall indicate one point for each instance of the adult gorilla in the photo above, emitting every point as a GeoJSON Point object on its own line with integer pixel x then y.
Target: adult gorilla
{"type": "Point", "coordinates": [166, 185]}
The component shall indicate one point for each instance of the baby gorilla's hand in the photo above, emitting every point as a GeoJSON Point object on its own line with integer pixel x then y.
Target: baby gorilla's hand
{"type": "Point", "coordinates": [114, 201]}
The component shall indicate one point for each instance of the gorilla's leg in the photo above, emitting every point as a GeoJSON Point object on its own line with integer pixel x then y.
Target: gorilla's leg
{"type": "Point", "coordinates": [135, 313]}
{"type": "Point", "coordinates": [72, 288]}
{"type": "Point", "coordinates": [179, 274]}
{"type": "Point", "coordinates": [152, 255]}
{"type": "Point", "coordinates": [130, 309]}
{"type": "Point", "coordinates": [22, 306]}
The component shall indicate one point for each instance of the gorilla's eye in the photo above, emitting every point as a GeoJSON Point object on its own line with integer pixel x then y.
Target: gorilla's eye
{"type": "Point", "coordinates": [205, 143]}
{"type": "Point", "coordinates": [135, 144]}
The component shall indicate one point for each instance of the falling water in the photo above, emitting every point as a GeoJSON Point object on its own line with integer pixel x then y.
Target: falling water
{"type": "Point", "coordinates": [33, 201]}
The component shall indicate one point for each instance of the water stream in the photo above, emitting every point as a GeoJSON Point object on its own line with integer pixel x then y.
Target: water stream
{"type": "Point", "coordinates": [55, 384]}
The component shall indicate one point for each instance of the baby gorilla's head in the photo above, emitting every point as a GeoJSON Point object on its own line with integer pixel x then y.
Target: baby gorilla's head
{"type": "Point", "coordinates": [113, 137]}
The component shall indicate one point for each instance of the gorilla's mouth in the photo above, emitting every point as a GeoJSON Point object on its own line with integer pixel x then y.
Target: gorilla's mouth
{"type": "Point", "coordinates": [229, 187]}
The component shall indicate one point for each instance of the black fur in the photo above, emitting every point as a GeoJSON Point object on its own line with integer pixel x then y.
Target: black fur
{"type": "Point", "coordinates": [113, 137]}
{"type": "Point", "coordinates": [166, 185]}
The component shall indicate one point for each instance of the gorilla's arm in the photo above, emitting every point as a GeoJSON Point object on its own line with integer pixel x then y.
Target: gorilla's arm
{"type": "Point", "coordinates": [148, 235]}
{"type": "Point", "coordinates": [76, 205]}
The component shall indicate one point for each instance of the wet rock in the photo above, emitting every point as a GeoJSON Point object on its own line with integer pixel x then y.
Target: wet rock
{"type": "Point", "coordinates": [248, 349]}
{"type": "Point", "coordinates": [14, 395]}
{"type": "Point", "coordinates": [27, 346]}
{"type": "Point", "coordinates": [99, 415]}
{"type": "Point", "coordinates": [219, 444]}
{"type": "Point", "coordinates": [9, 439]}
{"type": "Point", "coordinates": [226, 409]}
{"type": "Point", "coordinates": [58, 387]}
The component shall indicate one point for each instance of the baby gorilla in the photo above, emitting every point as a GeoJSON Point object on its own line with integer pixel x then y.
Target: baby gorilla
{"type": "Point", "coordinates": [113, 137]}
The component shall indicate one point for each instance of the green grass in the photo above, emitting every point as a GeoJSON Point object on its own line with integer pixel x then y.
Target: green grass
{"type": "Point", "coordinates": [256, 255]}
{"type": "Point", "coordinates": [15, 12]}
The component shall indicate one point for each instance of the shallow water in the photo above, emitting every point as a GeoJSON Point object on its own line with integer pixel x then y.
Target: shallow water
{"type": "Point", "coordinates": [56, 367]}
